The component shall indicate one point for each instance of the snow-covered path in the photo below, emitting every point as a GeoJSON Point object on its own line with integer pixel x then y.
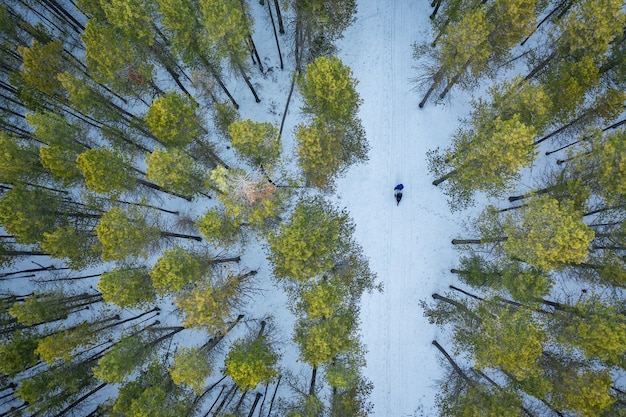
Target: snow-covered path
{"type": "Point", "coordinates": [408, 245]}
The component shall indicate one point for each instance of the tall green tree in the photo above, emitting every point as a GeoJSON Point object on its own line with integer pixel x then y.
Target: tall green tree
{"type": "Point", "coordinates": [312, 241]}
{"type": "Point", "coordinates": [173, 120]}
{"type": "Point", "coordinates": [251, 362]}
{"type": "Point", "coordinates": [127, 287]}
{"type": "Point", "coordinates": [176, 171]}
{"type": "Point", "coordinates": [126, 234]}
{"type": "Point", "coordinates": [258, 143]}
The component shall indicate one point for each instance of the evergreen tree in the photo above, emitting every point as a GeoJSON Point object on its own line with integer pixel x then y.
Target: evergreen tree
{"type": "Point", "coordinates": [173, 121]}
{"type": "Point", "coordinates": [125, 234]}
{"type": "Point", "coordinates": [313, 241]}
{"type": "Point", "coordinates": [127, 287]}
{"type": "Point", "coordinates": [251, 362]}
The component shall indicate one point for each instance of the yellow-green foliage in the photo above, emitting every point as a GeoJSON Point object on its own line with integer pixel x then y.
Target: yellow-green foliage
{"type": "Point", "coordinates": [612, 164]}
{"type": "Point", "coordinates": [80, 249]}
{"type": "Point", "coordinates": [209, 305]}
{"type": "Point", "coordinates": [175, 269]}
{"type": "Point", "coordinates": [127, 287]}
{"type": "Point", "coordinates": [311, 242]}
{"type": "Point", "coordinates": [550, 234]}
{"type": "Point", "coordinates": [175, 171]}
{"type": "Point", "coordinates": [584, 393]}
{"type": "Point", "coordinates": [320, 342]}
{"type": "Point", "coordinates": [172, 119]}
{"type": "Point", "coordinates": [322, 299]}
{"type": "Point", "coordinates": [16, 161]}
{"type": "Point", "coordinates": [105, 171]}
{"type": "Point", "coordinates": [226, 27]}
{"type": "Point", "coordinates": [466, 43]}
{"type": "Point", "coordinates": [489, 156]}
{"type": "Point", "coordinates": [18, 353]}
{"type": "Point", "coordinates": [125, 234]}
{"type": "Point", "coordinates": [329, 90]}
{"type": "Point", "coordinates": [250, 363]}
{"type": "Point", "coordinates": [256, 142]}
{"type": "Point", "coordinates": [62, 344]}
{"type": "Point", "coordinates": [61, 161]}
{"type": "Point", "coordinates": [219, 229]}
{"type": "Point", "coordinates": [192, 367]}
{"type": "Point", "coordinates": [599, 330]}
{"type": "Point", "coordinates": [510, 340]}
{"type": "Point", "coordinates": [319, 154]}
{"type": "Point", "coordinates": [42, 64]}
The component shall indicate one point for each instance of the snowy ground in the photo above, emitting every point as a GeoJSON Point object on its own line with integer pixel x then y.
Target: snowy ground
{"type": "Point", "coordinates": [408, 245]}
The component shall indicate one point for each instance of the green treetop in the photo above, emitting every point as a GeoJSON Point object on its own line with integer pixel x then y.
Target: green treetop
{"type": "Point", "coordinates": [127, 287]}
{"type": "Point", "coordinates": [105, 171]}
{"type": "Point", "coordinates": [125, 233]}
{"type": "Point", "coordinates": [321, 341]}
{"type": "Point", "coordinates": [312, 241]}
{"type": "Point", "coordinates": [175, 269]}
{"type": "Point", "coordinates": [251, 362]}
{"type": "Point", "coordinates": [547, 234]}
{"type": "Point", "coordinates": [176, 171]}
{"type": "Point", "coordinates": [510, 340]}
{"type": "Point", "coordinates": [191, 367]}
{"type": "Point", "coordinates": [173, 121]}
{"type": "Point", "coordinates": [328, 89]}
{"type": "Point", "coordinates": [256, 142]}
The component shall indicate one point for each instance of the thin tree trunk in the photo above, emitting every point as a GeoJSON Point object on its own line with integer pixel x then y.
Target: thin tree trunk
{"type": "Point", "coordinates": [247, 80]}
{"type": "Point", "coordinates": [454, 79]}
{"type": "Point", "coordinates": [279, 16]}
{"type": "Point", "coordinates": [269, 413]}
{"type": "Point", "coordinates": [181, 236]}
{"type": "Point", "coordinates": [257, 396]}
{"type": "Point", "coordinates": [444, 178]}
{"type": "Point", "coordinates": [291, 88]}
{"type": "Point", "coordinates": [217, 77]}
{"type": "Point", "coordinates": [216, 400]}
{"type": "Point", "coordinates": [477, 241]}
{"type": "Point", "coordinates": [436, 80]}
{"type": "Point", "coordinates": [280, 55]}
{"type": "Point", "coordinates": [436, 4]}
{"type": "Point", "coordinates": [81, 399]}
{"type": "Point", "coordinates": [452, 362]}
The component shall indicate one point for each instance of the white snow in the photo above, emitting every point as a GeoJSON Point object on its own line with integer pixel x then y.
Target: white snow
{"type": "Point", "coordinates": [408, 245]}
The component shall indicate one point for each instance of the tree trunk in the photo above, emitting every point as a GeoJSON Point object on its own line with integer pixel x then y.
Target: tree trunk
{"type": "Point", "coordinates": [280, 55]}
{"type": "Point", "coordinates": [216, 399]}
{"type": "Point", "coordinates": [291, 88]}
{"type": "Point", "coordinates": [436, 80]}
{"type": "Point", "coordinates": [454, 303]}
{"type": "Point", "coordinates": [269, 413]}
{"type": "Point", "coordinates": [181, 236]}
{"type": "Point", "coordinates": [454, 79]}
{"type": "Point", "coordinates": [444, 178]}
{"type": "Point", "coordinates": [436, 4]}
{"type": "Point", "coordinates": [217, 77]}
{"type": "Point", "coordinates": [249, 84]}
{"type": "Point", "coordinates": [455, 366]}
{"type": "Point", "coordinates": [257, 397]}
{"type": "Point", "coordinates": [279, 16]}
{"type": "Point", "coordinates": [478, 241]}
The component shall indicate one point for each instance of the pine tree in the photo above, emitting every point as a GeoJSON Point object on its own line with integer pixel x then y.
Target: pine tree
{"type": "Point", "coordinates": [251, 362]}
{"type": "Point", "coordinates": [173, 121]}
{"type": "Point", "coordinates": [176, 171]}
{"type": "Point", "coordinates": [191, 367]}
{"type": "Point", "coordinates": [313, 241]}
{"type": "Point", "coordinates": [258, 143]}
{"type": "Point", "coordinates": [127, 287]}
{"type": "Point", "coordinates": [125, 234]}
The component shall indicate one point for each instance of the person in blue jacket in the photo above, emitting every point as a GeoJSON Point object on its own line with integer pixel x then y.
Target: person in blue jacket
{"type": "Point", "coordinates": [398, 193]}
